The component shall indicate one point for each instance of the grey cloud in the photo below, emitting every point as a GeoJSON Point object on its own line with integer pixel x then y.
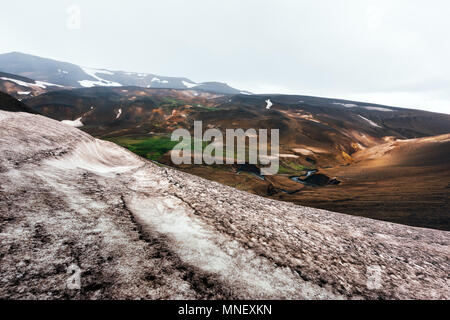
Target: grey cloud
{"type": "Point", "coordinates": [391, 51]}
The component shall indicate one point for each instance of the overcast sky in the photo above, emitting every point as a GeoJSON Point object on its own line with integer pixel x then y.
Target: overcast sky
{"type": "Point", "coordinates": [394, 52]}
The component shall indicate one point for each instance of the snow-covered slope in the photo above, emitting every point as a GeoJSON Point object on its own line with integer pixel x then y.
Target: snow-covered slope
{"type": "Point", "coordinates": [23, 87]}
{"type": "Point", "coordinates": [84, 218]}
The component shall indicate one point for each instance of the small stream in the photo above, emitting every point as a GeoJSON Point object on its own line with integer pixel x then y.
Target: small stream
{"type": "Point", "coordinates": [310, 178]}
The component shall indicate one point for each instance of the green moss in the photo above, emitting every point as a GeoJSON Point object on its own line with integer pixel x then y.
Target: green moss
{"type": "Point", "coordinates": [292, 168]}
{"type": "Point", "coordinates": [206, 108]}
{"type": "Point", "coordinates": [148, 147]}
{"type": "Point", "coordinates": [152, 148]}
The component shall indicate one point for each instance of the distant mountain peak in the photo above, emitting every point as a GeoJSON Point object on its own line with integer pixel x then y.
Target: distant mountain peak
{"type": "Point", "coordinates": [71, 75]}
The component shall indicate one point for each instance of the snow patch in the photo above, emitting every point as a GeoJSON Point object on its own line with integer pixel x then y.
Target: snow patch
{"type": "Point", "coordinates": [287, 155]}
{"type": "Point", "coordinates": [92, 71]}
{"type": "Point", "coordinates": [103, 83]}
{"type": "Point", "coordinates": [44, 84]}
{"type": "Point", "coordinates": [379, 109]}
{"type": "Point", "coordinates": [19, 82]}
{"type": "Point", "coordinates": [155, 79]}
{"type": "Point", "coordinates": [100, 81]}
{"type": "Point", "coordinates": [200, 245]}
{"type": "Point", "coordinates": [188, 84]}
{"type": "Point", "coordinates": [370, 121]}
{"type": "Point", "coordinates": [74, 123]}
{"type": "Point", "coordinates": [40, 84]}
{"type": "Point", "coordinates": [269, 104]}
{"type": "Point", "coordinates": [98, 156]}
{"type": "Point", "coordinates": [23, 92]}
{"type": "Point", "coordinates": [119, 113]}
{"type": "Point", "coordinates": [347, 105]}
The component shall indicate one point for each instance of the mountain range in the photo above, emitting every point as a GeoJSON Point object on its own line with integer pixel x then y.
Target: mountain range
{"type": "Point", "coordinates": [53, 73]}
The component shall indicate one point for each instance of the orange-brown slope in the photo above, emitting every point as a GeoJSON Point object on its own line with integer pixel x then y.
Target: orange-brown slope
{"type": "Point", "coordinates": [404, 181]}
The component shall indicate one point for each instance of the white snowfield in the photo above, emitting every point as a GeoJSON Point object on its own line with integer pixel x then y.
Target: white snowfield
{"type": "Point", "coordinates": [136, 230]}
{"type": "Point", "coordinates": [99, 81]}
{"type": "Point", "coordinates": [39, 84]}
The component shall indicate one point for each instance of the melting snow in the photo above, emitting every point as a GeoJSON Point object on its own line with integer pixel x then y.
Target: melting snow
{"type": "Point", "coordinates": [74, 123]}
{"type": "Point", "coordinates": [188, 84]}
{"type": "Point", "coordinates": [40, 84]}
{"type": "Point", "coordinates": [269, 104]}
{"type": "Point", "coordinates": [101, 157]}
{"type": "Point", "coordinates": [287, 155]}
{"type": "Point", "coordinates": [44, 84]}
{"type": "Point", "coordinates": [19, 82]}
{"type": "Point", "coordinates": [378, 109]}
{"type": "Point", "coordinates": [23, 92]}
{"type": "Point", "coordinates": [347, 105]}
{"type": "Point", "coordinates": [119, 113]}
{"type": "Point", "coordinates": [155, 79]}
{"type": "Point", "coordinates": [100, 81]}
{"type": "Point", "coordinates": [265, 253]}
{"type": "Point", "coordinates": [103, 83]}
{"type": "Point", "coordinates": [92, 72]}
{"type": "Point", "coordinates": [200, 245]}
{"type": "Point", "coordinates": [370, 121]}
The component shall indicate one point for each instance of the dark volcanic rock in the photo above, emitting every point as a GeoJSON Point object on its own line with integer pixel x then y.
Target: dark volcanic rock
{"type": "Point", "coordinates": [8, 103]}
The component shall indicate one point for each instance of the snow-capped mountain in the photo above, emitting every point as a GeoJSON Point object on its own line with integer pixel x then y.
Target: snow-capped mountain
{"type": "Point", "coordinates": [70, 75]}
